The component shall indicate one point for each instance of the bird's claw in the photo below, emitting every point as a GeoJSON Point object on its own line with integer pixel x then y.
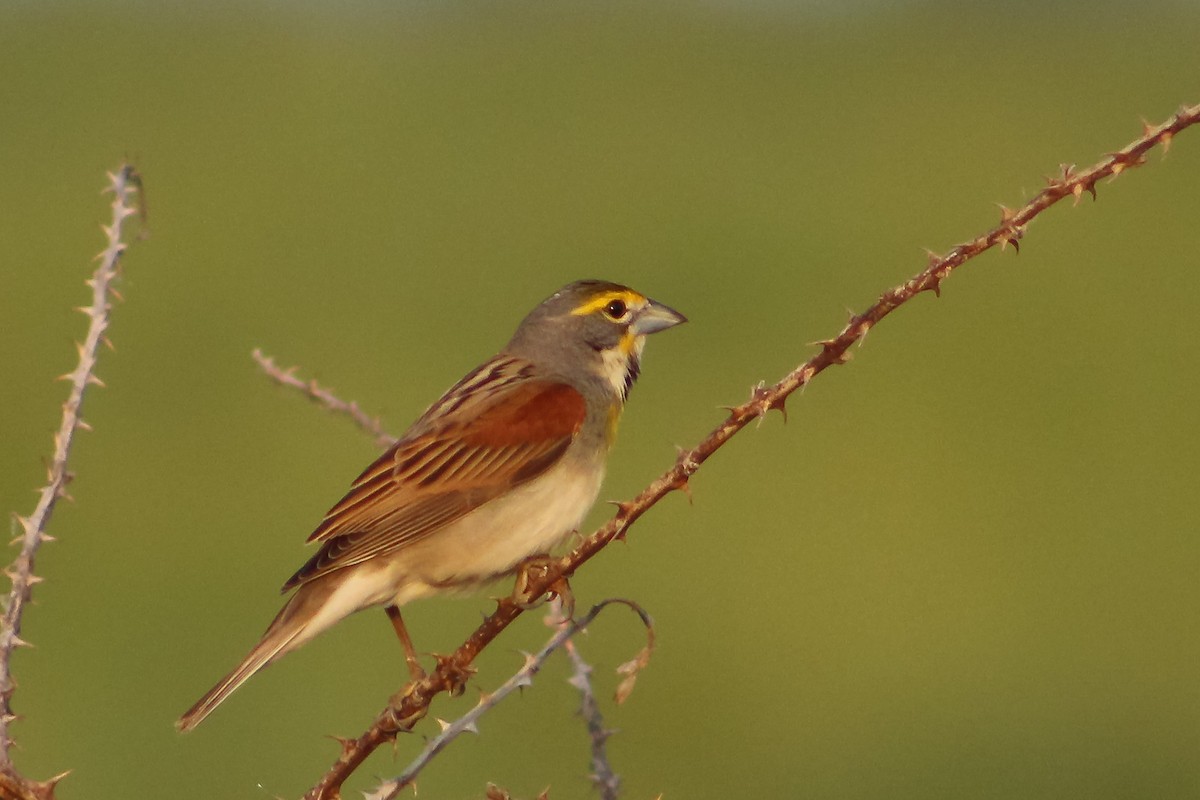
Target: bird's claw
{"type": "Point", "coordinates": [534, 570]}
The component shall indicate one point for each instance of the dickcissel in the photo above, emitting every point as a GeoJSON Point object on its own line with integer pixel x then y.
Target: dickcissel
{"type": "Point", "coordinates": [503, 467]}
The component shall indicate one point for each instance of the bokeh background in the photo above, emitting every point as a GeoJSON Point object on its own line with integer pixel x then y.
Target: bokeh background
{"type": "Point", "coordinates": [966, 566]}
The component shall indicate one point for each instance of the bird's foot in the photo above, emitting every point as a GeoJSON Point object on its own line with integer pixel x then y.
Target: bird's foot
{"type": "Point", "coordinates": [534, 570]}
{"type": "Point", "coordinates": [401, 720]}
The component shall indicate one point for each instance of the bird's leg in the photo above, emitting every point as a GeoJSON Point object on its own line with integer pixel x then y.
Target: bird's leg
{"type": "Point", "coordinates": [534, 569]}
{"type": "Point", "coordinates": [410, 653]}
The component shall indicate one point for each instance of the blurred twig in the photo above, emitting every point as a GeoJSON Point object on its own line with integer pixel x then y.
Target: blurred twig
{"type": "Point", "coordinates": [468, 723]}
{"type": "Point", "coordinates": [606, 780]}
{"type": "Point", "coordinates": [123, 184]}
{"type": "Point", "coordinates": [411, 704]}
{"type": "Point", "coordinates": [324, 397]}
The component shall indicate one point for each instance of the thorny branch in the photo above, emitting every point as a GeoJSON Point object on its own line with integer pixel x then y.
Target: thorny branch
{"type": "Point", "coordinates": [468, 723]}
{"type": "Point", "coordinates": [123, 184]}
{"type": "Point", "coordinates": [607, 781]}
{"type": "Point", "coordinates": [324, 397]}
{"type": "Point", "coordinates": [408, 706]}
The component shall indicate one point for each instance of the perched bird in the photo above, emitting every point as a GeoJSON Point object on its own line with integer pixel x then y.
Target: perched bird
{"type": "Point", "coordinates": [503, 467]}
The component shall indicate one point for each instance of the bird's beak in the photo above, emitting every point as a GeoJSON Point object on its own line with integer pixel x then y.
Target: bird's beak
{"type": "Point", "coordinates": [656, 317]}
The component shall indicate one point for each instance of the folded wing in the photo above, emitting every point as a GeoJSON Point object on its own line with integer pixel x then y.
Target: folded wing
{"type": "Point", "coordinates": [504, 428]}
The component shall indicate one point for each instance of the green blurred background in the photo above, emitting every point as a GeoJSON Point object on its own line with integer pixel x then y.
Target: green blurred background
{"type": "Point", "coordinates": [966, 567]}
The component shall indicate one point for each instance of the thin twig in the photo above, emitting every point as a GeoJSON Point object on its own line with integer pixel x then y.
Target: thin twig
{"type": "Point", "coordinates": [122, 184]}
{"type": "Point", "coordinates": [607, 781]}
{"type": "Point", "coordinates": [411, 704]}
{"type": "Point", "coordinates": [324, 397]}
{"type": "Point", "coordinates": [468, 723]}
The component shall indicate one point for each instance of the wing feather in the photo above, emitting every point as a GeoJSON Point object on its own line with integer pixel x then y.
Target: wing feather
{"type": "Point", "coordinates": [510, 427]}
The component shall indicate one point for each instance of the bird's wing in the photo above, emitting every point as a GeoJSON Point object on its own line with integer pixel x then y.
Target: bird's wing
{"type": "Point", "coordinates": [497, 428]}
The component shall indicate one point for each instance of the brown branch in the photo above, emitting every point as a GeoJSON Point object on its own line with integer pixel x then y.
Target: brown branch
{"type": "Point", "coordinates": [411, 704]}
{"type": "Point", "coordinates": [468, 723]}
{"type": "Point", "coordinates": [324, 397]}
{"type": "Point", "coordinates": [122, 184]}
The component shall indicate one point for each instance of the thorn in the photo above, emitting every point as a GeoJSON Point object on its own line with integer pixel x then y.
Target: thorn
{"type": "Point", "coordinates": [443, 724]}
{"type": "Point", "coordinates": [1006, 213]}
{"type": "Point", "coordinates": [1012, 237]}
{"type": "Point", "coordinates": [683, 485]}
{"type": "Point", "coordinates": [94, 380]}
{"type": "Point", "coordinates": [346, 744]}
{"type": "Point", "coordinates": [932, 257]}
{"type": "Point", "coordinates": [1079, 188]}
{"type": "Point", "coordinates": [83, 426]}
{"type": "Point", "coordinates": [471, 727]}
{"type": "Point", "coordinates": [1123, 160]}
{"type": "Point", "coordinates": [45, 789]}
{"type": "Point", "coordinates": [17, 641]}
{"type": "Point", "coordinates": [765, 402]}
{"type": "Point", "coordinates": [624, 508]}
{"type": "Point", "coordinates": [1165, 140]}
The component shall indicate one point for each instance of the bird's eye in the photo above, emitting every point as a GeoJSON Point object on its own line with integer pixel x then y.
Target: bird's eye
{"type": "Point", "coordinates": [616, 309]}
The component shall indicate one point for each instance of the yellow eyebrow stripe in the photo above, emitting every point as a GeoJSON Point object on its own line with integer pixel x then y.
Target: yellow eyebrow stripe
{"type": "Point", "coordinates": [628, 296]}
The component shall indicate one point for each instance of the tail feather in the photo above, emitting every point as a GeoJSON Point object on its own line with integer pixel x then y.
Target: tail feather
{"type": "Point", "coordinates": [275, 642]}
{"type": "Point", "coordinates": [314, 607]}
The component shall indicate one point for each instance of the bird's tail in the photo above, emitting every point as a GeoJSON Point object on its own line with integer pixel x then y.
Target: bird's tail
{"type": "Point", "coordinates": [281, 637]}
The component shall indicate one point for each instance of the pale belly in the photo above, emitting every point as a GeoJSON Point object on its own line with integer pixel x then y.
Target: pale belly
{"type": "Point", "coordinates": [494, 538]}
{"type": "Point", "coordinates": [483, 545]}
